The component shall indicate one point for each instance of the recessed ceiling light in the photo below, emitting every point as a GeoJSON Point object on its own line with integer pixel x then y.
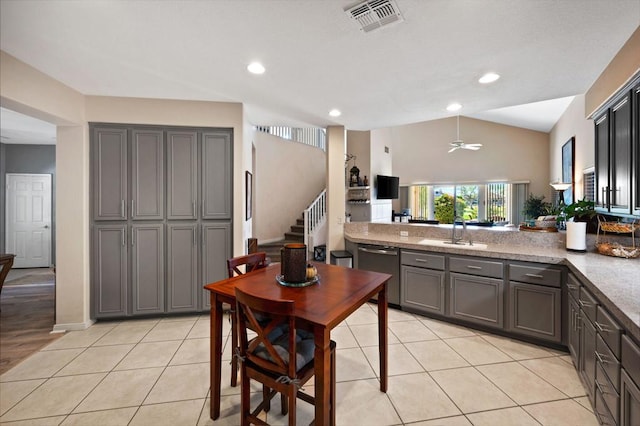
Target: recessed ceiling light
{"type": "Point", "coordinates": [489, 77]}
{"type": "Point", "coordinates": [256, 68]}
{"type": "Point", "coordinates": [335, 113]}
{"type": "Point", "coordinates": [454, 107]}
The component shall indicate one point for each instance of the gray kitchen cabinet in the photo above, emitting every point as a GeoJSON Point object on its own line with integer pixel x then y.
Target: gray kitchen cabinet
{"type": "Point", "coordinates": [147, 269]}
{"type": "Point", "coordinates": [217, 179]}
{"type": "Point", "coordinates": [476, 299]}
{"type": "Point", "coordinates": [147, 175]}
{"type": "Point", "coordinates": [422, 279]}
{"type": "Point", "coordinates": [423, 290]}
{"type": "Point", "coordinates": [535, 311]}
{"type": "Point", "coordinates": [182, 267]}
{"type": "Point", "coordinates": [109, 169]}
{"type": "Point", "coordinates": [629, 383]}
{"type": "Point", "coordinates": [109, 271]}
{"type": "Point", "coordinates": [629, 401]}
{"type": "Point", "coordinates": [216, 244]}
{"type": "Point", "coordinates": [587, 364]}
{"type": "Point", "coordinates": [182, 174]}
{"type": "Point", "coordinates": [635, 148]}
{"type": "Point", "coordinates": [616, 162]}
{"type": "Point", "coordinates": [535, 301]}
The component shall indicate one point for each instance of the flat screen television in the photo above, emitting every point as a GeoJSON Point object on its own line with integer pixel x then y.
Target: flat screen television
{"type": "Point", "coordinates": [387, 187]}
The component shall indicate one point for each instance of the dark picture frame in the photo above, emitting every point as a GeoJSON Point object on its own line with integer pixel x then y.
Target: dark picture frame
{"type": "Point", "coordinates": [249, 193]}
{"type": "Point", "coordinates": [568, 169]}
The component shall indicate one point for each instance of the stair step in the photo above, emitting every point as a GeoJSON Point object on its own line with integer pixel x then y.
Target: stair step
{"type": "Point", "coordinates": [294, 236]}
{"type": "Point", "coordinates": [299, 229]}
{"type": "Point", "coordinates": [300, 222]}
{"type": "Point", "coordinates": [273, 249]}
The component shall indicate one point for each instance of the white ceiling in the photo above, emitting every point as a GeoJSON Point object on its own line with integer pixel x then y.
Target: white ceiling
{"type": "Point", "coordinates": [317, 58]}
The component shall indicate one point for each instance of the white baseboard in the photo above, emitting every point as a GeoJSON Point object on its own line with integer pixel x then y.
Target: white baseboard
{"type": "Point", "coordinates": [74, 326]}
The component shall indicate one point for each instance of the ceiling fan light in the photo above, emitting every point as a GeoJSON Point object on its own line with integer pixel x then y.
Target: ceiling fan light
{"type": "Point", "coordinates": [489, 77]}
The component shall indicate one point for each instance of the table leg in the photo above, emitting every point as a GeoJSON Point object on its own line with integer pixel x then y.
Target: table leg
{"type": "Point", "coordinates": [322, 371]}
{"type": "Point", "coordinates": [382, 336]}
{"type": "Point", "coordinates": [215, 324]}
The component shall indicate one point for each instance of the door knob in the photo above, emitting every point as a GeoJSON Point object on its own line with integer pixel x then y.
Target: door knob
{"type": "Point", "coordinates": [46, 227]}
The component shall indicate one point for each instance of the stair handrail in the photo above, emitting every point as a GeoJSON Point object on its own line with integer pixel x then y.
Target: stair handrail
{"type": "Point", "coordinates": [314, 215]}
{"type": "Point", "coordinates": [313, 136]}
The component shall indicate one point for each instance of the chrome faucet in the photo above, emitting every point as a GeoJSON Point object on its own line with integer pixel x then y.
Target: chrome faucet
{"type": "Point", "coordinates": [455, 239]}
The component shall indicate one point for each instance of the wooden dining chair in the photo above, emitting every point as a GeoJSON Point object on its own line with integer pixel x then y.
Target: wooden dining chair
{"type": "Point", "coordinates": [280, 356]}
{"type": "Point", "coordinates": [238, 266]}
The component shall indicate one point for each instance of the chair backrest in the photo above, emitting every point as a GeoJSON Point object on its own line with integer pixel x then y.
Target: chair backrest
{"type": "Point", "coordinates": [251, 262]}
{"type": "Point", "coordinates": [274, 346]}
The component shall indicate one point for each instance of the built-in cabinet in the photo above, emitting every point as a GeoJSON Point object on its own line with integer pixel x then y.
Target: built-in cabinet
{"type": "Point", "coordinates": [161, 209]}
{"type": "Point", "coordinates": [630, 383]}
{"type": "Point", "coordinates": [616, 146]}
{"type": "Point", "coordinates": [423, 281]}
{"type": "Point", "coordinates": [535, 304]}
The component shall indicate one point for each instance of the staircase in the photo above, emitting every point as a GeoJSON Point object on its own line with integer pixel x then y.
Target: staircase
{"type": "Point", "coordinates": [295, 235]}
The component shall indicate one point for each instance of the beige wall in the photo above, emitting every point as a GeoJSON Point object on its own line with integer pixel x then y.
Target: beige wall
{"type": "Point", "coordinates": [31, 92]}
{"type": "Point", "coordinates": [287, 178]}
{"type": "Point", "coordinates": [508, 153]}
{"type": "Point", "coordinates": [572, 124]}
{"type": "Point", "coordinates": [623, 66]}
{"type": "Point", "coordinates": [336, 150]}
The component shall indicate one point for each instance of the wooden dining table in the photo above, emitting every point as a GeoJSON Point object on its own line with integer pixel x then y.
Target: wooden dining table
{"type": "Point", "coordinates": [319, 307]}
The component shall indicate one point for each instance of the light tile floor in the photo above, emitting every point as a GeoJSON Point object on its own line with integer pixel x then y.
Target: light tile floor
{"type": "Point", "coordinates": [156, 372]}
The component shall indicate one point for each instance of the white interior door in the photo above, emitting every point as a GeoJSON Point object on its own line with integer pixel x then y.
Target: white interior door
{"type": "Point", "coordinates": [29, 219]}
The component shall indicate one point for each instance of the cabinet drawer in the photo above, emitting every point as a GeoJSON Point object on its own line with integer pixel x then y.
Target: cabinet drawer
{"type": "Point", "coordinates": [484, 268]}
{"type": "Point", "coordinates": [573, 286]}
{"type": "Point", "coordinates": [631, 358]}
{"type": "Point", "coordinates": [588, 303]}
{"type": "Point", "coordinates": [422, 260]}
{"type": "Point", "coordinates": [610, 396]}
{"type": "Point", "coordinates": [608, 361]}
{"type": "Point", "coordinates": [536, 274]}
{"type": "Point", "coordinates": [609, 329]}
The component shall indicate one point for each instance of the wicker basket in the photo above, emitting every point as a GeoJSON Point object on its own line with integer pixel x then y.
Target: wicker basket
{"type": "Point", "coordinates": [617, 250]}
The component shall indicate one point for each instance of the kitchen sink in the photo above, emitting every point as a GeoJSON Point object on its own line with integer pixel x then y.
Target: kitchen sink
{"type": "Point", "coordinates": [459, 244]}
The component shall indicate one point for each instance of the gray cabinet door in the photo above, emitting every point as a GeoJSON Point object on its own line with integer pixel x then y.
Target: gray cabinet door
{"type": "Point", "coordinates": [217, 161]}
{"type": "Point", "coordinates": [109, 271]}
{"type": "Point", "coordinates": [109, 173]}
{"type": "Point", "coordinates": [535, 311]}
{"type": "Point", "coordinates": [216, 249]}
{"type": "Point", "coordinates": [635, 148]}
{"type": "Point", "coordinates": [182, 174]}
{"type": "Point", "coordinates": [588, 356]}
{"type": "Point", "coordinates": [147, 269]}
{"type": "Point", "coordinates": [602, 162]}
{"type": "Point", "coordinates": [182, 267]}
{"type": "Point", "coordinates": [477, 299]}
{"type": "Point", "coordinates": [629, 401]}
{"type": "Point", "coordinates": [621, 158]}
{"type": "Point", "coordinates": [147, 175]}
{"type": "Point", "coordinates": [573, 340]}
{"type": "Point", "coordinates": [422, 290]}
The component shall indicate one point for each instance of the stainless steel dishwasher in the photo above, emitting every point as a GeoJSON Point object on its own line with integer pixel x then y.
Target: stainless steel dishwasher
{"type": "Point", "coordinates": [382, 259]}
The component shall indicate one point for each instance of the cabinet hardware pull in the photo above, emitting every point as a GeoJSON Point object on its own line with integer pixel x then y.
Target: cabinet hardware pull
{"type": "Point", "coordinates": [194, 235]}
{"type": "Point", "coordinates": [193, 205]}
{"type": "Point", "coordinates": [584, 304]}
{"type": "Point", "coordinates": [133, 237]}
{"type": "Point", "coordinates": [123, 233]}
{"type": "Point", "coordinates": [534, 276]}
{"type": "Point", "coordinates": [601, 358]}
{"type": "Point", "coordinates": [421, 260]}
{"type": "Point", "coordinates": [602, 329]}
{"type": "Point", "coordinates": [203, 204]}
{"type": "Point", "coordinates": [121, 208]}
{"type": "Point", "coordinates": [474, 267]}
{"type": "Point", "coordinates": [572, 287]}
{"type": "Point", "coordinates": [132, 208]}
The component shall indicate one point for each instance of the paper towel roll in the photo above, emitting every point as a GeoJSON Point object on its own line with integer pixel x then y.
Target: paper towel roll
{"type": "Point", "coordinates": [577, 236]}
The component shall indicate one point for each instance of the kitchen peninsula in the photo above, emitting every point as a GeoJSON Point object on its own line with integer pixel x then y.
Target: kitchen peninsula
{"type": "Point", "coordinates": [615, 282]}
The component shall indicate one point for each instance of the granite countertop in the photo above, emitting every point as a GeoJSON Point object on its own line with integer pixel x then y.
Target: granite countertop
{"type": "Point", "coordinates": [614, 281]}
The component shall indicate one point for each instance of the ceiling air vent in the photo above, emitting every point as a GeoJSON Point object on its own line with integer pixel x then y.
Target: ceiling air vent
{"type": "Point", "coordinates": [374, 14]}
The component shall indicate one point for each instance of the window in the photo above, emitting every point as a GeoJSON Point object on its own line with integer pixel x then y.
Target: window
{"type": "Point", "coordinates": [485, 202]}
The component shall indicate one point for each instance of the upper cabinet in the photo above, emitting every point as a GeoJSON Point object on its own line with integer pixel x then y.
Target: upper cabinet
{"type": "Point", "coordinates": [616, 149]}
{"type": "Point", "coordinates": [216, 175]}
{"type": "Point", "coordinates": [110, 174]}
{"type": "Point", "coordinates": [182, 174]}
{"type": "Point", "coordinates": [635, 149]}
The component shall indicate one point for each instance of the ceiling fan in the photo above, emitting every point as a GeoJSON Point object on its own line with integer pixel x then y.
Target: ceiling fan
{"type": "Point", "coordinates": [458, 143]}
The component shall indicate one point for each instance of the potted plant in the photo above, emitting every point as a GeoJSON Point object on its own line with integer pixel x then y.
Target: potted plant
{"type": "Point", "coordinates": [583, 211]}
{"type": "Point", "coordinates": [535, 207]}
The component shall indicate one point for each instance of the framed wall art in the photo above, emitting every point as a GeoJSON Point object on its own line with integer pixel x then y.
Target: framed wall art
{"type": "Point", "coordinates": [568, 173]}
